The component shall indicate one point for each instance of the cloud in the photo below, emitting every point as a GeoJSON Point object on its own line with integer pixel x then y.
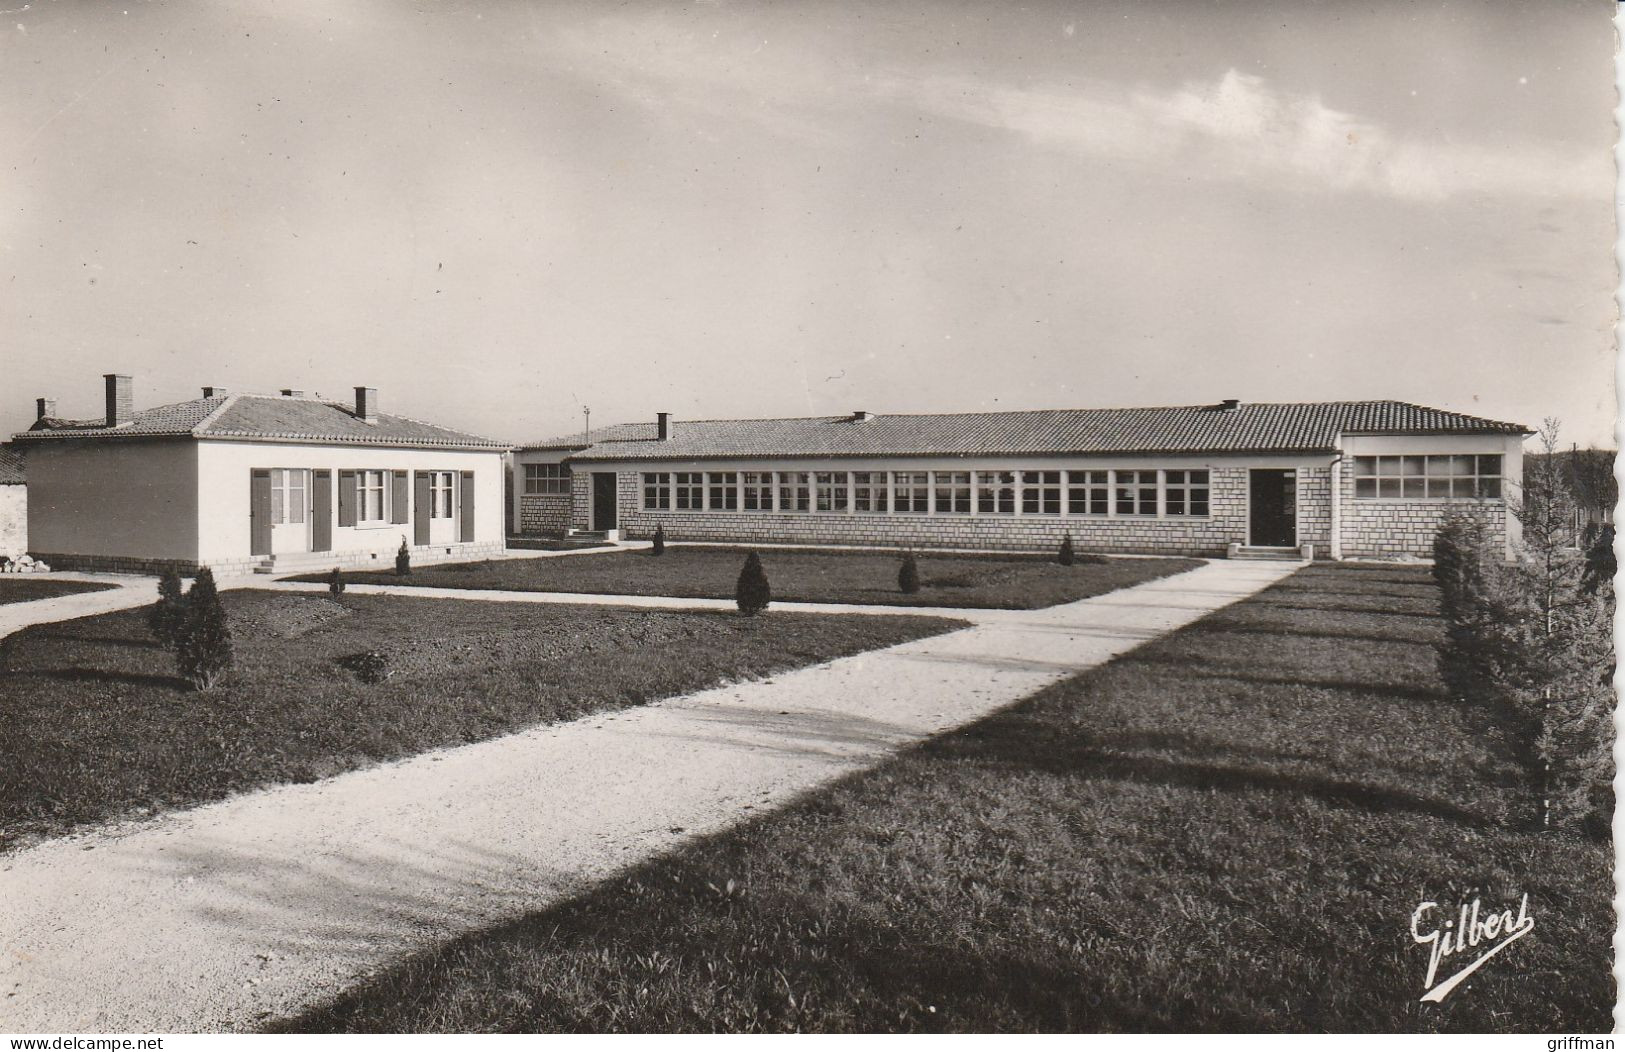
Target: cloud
{"type": "Point", "coordinates": [1241, 128]}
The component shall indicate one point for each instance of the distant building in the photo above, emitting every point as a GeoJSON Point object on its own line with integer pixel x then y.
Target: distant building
{"type": "Point", "coordinates": [1352, 479]}
{"type": "Point", "coordinates": [245, 481]}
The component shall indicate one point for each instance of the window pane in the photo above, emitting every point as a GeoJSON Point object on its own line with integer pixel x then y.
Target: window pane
{"type": "Point", "coordinates": [1438, 487]}
{"type": "Point", "coordinates": [1176, 502]}
{"type": "Point", "coordinates": [1199, 478]}
{"type": "Point", "coordinates": [1414, 487]}
{"type": "Point", "coordinates": [1388, 487]}
{"type": "Point", "coordinates": [1489, 487]}
{"type": "Point", "coordinates": [1414, 465]}
{"type": "Point", "coordinates": [1387, 465]}
{"type": "Point", "coordinates": [277, 514]}
{"type": "Point", "coordinates": [1365, 487]}
{"type": "Point", "coordinates": [1490, 465]}
{"type": "Point", "coordinates": [1365, 466]}
{"type": "Point", "coordinates": [1463, 465]}
{"type": "Point", "coordinates": [1199, 504]}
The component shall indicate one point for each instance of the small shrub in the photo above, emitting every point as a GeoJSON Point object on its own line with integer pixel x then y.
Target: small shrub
{"type": "Point", "coordinates": [403, 560]}
{"type": "Point", "coordinates": [335, 583]}
{"type": "Point", "coordinates": [203, 652]}
{"type": "Point", "coordinates": [659, 546]}
{"type": "Point", "coordinates": [168, 614]}
{"type": "Point", "coordinates": [1066, 557]}
{"type": "Point", "coordinates": [752, 593]}
{"type": "Point", "coordinates": [908, 575]}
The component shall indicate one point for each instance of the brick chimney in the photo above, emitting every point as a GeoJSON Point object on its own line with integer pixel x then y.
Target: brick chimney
{"type": "Point", "coordinates": [44, 408]}
{"type": "Point", "coordinates": [1230, 405]}
{"type": "Point", "coordinates": [663, 426]}
{"type": "Point", "coordinates": [213, 392]}
{"type": "Point", "coordinates": [120, 400]}
{"type": "Point", "coordinates": [860, 415]}
{"type": "Point", "coordinates": [288, 392]}
{"type": "Point", "coordinates": [366, 404]}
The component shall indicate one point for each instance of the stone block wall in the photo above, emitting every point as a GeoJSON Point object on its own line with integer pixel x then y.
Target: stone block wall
{"type": "Point", "coordinates": [1378, 528]}
{"type": "Point", "coordinates": [545, 513]}
{"type": "Point", "coordinates": [13, 519]}
{"type": "Point", "coordinates": [1315, 509]}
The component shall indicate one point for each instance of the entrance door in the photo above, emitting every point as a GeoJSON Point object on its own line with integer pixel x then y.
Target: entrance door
{"type": "Point", "coordinates": [603, 500]}
{"type": "Point", "coordinates": [290, 510]}
{"type": "Point", "coordinates": [1273, 497]}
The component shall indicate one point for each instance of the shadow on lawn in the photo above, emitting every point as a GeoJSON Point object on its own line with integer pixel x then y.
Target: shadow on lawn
{"type": "Point", "coordinates": [129, 679]}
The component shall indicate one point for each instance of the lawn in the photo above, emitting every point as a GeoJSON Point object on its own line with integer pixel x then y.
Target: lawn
{"type": "Point", "coordinates": [1226, 830]}
{"type": "Point", "coordinates": [25, 588]}
{"type": "Point", "coordinates": [1009, 582]}
{"type": "Point", "coordinates": [97, 724]}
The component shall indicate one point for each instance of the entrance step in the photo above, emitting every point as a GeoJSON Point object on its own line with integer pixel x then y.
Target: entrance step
{"type": "Point", "coordinates": [1266, 553]}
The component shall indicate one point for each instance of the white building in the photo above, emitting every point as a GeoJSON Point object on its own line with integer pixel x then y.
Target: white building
{"type": "Point", "coordinates": [243, 481]}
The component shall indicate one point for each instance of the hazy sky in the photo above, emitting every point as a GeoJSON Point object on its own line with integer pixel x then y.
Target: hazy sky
{"type": "Point", "coordinates": [497, 212]}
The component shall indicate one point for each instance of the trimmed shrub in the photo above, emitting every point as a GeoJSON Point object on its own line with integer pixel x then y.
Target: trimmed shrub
{"type": "Point", "coordinates": [1066, 557]}
{"type": "Point", "coordinates": [203, 651]}
{"type": "Point", "coordinates": [752, 593]}
{"type": "Point", "coordinates": [166, 617]}
{"type": "Point", "coordinates": [335, 583]}
{"type": "Point", "coordinates": [908, 575]}
{"type": "Point", "coordinates": [403, 560]}
{"type": "Point", "coordinates": [659, 546]}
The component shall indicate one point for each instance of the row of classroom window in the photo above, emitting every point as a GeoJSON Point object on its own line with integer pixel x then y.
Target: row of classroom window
{"type": "Point", "coordinates": [1140, 492]}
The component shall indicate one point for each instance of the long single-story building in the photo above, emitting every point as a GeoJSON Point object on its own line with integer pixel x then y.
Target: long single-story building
{"type": "Point", "coordinates": [245, 481]}
{"type": "Point", "coordinates": [1349, 479]}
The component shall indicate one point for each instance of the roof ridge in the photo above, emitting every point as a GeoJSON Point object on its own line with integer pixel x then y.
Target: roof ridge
{"type": "Point", "coordinates": [214, 414]}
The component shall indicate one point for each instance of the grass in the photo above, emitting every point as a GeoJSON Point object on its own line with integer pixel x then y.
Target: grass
{"type": "Point", "coordinates": [1225, 830]}
{"type": "Point", "coordinates": [98, 725]}
{"type": "Point", "coordinates": [553, 544]}
{"type": "Point", "coordinates": [24, 588]}
{"type": "Point", "coordinates": [1010, 582]}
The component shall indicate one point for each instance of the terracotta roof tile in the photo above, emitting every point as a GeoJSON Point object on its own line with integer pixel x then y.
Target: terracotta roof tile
{"type": "Point", "coordinates": [1257, 428]}
{"type": "Point", "coordinates": [267, 418]}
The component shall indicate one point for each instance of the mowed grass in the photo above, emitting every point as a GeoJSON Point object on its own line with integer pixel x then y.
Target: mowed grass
{"type": "Point", "coordinates": [24, 588]}
{"type": "Point", "coordinates": [1009, 582]}
{"type": "Point", "coordinates": [97, 724]}
{"type": "Point", "coordinates": [1226, 830]}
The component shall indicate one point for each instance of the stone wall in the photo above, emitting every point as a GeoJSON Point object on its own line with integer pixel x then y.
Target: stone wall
{"type": "Point", "coordinates": [1148, 536]}
{"type": "Point", "coordinates": [13, 519]}
{"type": "Point", "coordinates": [1379, 528]}
{"type": "Point", "coordinates": [547, 513]}
{"type": "Point", "coordinates": [1315, 509]}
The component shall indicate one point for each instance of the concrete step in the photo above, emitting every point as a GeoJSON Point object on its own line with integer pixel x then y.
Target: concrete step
{"type": "Point", "coordinates": [1267, 554]}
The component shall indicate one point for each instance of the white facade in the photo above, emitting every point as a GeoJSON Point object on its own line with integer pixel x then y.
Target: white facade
{"type": "Point", "coordinates": [138, 504]}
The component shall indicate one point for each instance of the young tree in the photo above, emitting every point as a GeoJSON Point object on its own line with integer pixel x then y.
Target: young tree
{"type": "Point", "coordinates": [1561, 653]}
{"type": "Point", "coordinates": [908, 575]}
{"type": "Point", "coordinates": [203, 651]}
{"type": "Point", "coordinates": [752, 592]}
{"type": "Point", "coordinates": [659, 545]}
{"type": "Point", "coordinates": [403, 560]}
{"type": "Point", "coordinates": [166, 616]}
{"type": "Point", "coordinates": [335, 583]}
{"type": "Point", "coordinates": [1066, 557]}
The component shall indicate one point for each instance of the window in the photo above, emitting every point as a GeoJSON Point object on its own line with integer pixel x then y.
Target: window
{"type": "Point", "coordinates": [724, 490]}
{"type": "Point", "coordinates": [795, 491]}
{"type": "Point", "coordinates": [1185, 492]}
{"type": "Point", "coordinates": [829, 491]}
{"type": "Point", "coordinates": [1041, 493]}
{"type": "Point", "coordinates": [688, 491]}
{"type": "Point", "coordinates": [911, 491]}
{"type": "Point", "coordinates": [547, 479]}
{"type": "Point", "coordinates": [953, 492]}
{"type": "Point", "coordinates": [996, 492]}
{"type": "Point", "coordinates": [869, 491]}
{"type": "Point", "coordinates": [1088, 492]}
{"type": "Point", "coordinates": [656, 491]}
{"type": "Point", "coordinates": [1450, 476]}
{"type": "Point", "coordinates": [756, 490]}
{"type": "Point", "coordinates": [371, 490]}
{"type": "Point", "coordinates": [287, 496]}
{"type": "Point", "coordinates": [1136, 492]}
{"type": "Point", "coordinates": [440, 494]}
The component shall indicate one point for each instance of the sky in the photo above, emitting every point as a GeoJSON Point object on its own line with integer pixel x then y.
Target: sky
{"type": "Point", "coordinates": [499, 213]}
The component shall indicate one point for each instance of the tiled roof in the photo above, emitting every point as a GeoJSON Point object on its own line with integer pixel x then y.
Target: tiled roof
{"type": "Point", "coordinates": [267, 418]}
{"type": "Point", "coordinates": [11, 467]}
{"type": "Point", "coordinates": [1265, 427]}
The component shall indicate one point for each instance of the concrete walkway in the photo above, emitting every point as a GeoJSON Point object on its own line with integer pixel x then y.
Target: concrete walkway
{"type": "Point", "coordinates": [255, 907]}
{"type": "Point", "coordinates": [128, 590]}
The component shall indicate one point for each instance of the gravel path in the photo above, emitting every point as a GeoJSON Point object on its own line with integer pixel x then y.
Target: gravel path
{"type": "Point", "coordinates": [223, 916]}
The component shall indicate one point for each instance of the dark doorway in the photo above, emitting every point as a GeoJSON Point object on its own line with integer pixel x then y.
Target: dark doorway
{"type": "Point", "coordinates": [1274, 503]}
{"type": "Point", "coordinates": [603, 500]}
